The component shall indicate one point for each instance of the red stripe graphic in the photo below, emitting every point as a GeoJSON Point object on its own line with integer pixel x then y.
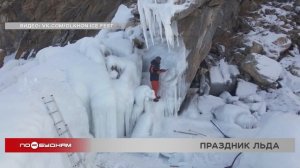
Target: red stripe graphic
{"type": "Point", "coordinates": [46, 145]}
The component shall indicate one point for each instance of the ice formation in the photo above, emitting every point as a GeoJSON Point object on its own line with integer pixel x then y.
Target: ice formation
{"type": "Point", "coordinates": [142, 95]}
{"type": "Point", "coordinates": [93, 81]}
{"type": "Point", "coordinates": [144, 122]}
{"type": "Point", "coordinates": [157, 17]}
{"type": "Point", "coordinates": [173, 86]}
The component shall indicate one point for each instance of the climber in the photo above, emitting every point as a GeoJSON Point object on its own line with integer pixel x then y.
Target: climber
{"type": "Point", "coordinates": [154, 75]}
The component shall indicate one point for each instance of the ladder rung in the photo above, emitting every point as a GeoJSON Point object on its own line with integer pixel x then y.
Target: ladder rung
{"type": "Point", "coordinates": [53, 112]}
{"type": "Point", "coordinates": [63, 132]}
{"type": "Point", "coordinates": [71, 154]}
{"type": "Point", "coordinates": [59, 129]}
{"type": "Point", "coordinates": [78, 163]}
{"type": "Point", "coordinates": [49, 102]}
{"type": "Point", "coordinates": [62, 129]}
{"type": "Point", "coordinates": [61, 121]}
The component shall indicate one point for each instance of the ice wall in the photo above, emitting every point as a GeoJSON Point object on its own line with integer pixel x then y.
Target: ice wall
{"type": "Point", "coordinates": [172, 82]}
{"type": "Point", "coordinates": [93, 81]}
{"type": "Point", "coordinates": [162, 39]}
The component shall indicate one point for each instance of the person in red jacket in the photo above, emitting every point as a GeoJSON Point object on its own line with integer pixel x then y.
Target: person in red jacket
{"type": "Point", "coordinates": [154, 75]}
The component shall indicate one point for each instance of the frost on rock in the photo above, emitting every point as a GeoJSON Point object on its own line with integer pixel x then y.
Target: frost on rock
{"type": "Point", "coordinates": [221, 77]}
{"type": "Point", "coordinates": [263, 69]}
{"type": "Point", "coordinates": [273, 42]}
{"type": "Point", "coordinates": [291, 72]}
{"type": "Point", "coordinates": [156, 16]}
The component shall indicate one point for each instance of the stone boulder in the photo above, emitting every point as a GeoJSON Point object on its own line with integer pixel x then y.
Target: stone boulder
{"type": "Point", "coordinates": [265, 71]}
{"type": "Point", "coordinates": [295, 36]}
{"type": "Point", "coordinates": [270, 11]}
{"type": "Point", "coordinates": [295, 69]}
{"type": "Point", "coordinates": [243, 25]}
{"type": "Point", "coordinates": [283, 43]}
{"type": "Point", "coordinates": [248, 5]}
{"type": "Point", "coordinates": [256, 48]}
{"type": "Point", "coordinates": [297, 9]}
{"type": "Point", "coordinates": [287, 7]}
{"type": "Point", "coordinates": [245, 88]}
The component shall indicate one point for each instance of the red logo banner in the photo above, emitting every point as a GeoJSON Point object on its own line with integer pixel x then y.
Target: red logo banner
{"type": "Point", "coordinates": [46, 145]}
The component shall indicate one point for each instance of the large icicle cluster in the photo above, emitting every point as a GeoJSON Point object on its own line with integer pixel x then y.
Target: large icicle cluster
{"type": "Point", "coordinates": [156, 17]}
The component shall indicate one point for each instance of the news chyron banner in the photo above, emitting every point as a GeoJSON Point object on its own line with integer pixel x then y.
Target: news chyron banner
{"type": "Point", "coordinates": [62, 25]}
{"type": "Point", "coordinates": [126, 145]}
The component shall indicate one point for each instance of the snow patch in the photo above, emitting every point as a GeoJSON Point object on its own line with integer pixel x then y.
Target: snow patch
{"type": "Point", "coordinates": [269, 42]}
{"type": "Point", "coordinates": [245, 88]}
{"type": "Point", "coordinates": [235, 115]}
{"type": "Point", "coordinates": [276, 126]}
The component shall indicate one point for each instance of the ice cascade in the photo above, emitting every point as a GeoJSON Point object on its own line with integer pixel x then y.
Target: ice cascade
{"type": "Point", "coordinates": [157, 17]}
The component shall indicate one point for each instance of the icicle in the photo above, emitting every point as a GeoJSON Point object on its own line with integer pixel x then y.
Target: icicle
{"type": "Point", "coordinates": [153, 14]}
{"type": "Point", "coordinates": [175, 100]}
{"type": "Point", "coordinates": [143, 20]}
{"type": "Point", "coordinates": [175, 29]}
{"type": "Point", "coordinates": [160, 31]}
{"type": "Point", "coordinates": [148, 17]}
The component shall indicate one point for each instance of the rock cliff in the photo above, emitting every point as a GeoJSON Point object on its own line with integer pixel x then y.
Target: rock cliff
{"type": "Point", "coordinates": [49, 11]}
{"type": "Point", "coordinates": [200, 25]}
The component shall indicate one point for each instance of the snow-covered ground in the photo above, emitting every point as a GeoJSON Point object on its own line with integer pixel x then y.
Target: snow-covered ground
{"type": "Point", "coordinates": [101, 85]}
